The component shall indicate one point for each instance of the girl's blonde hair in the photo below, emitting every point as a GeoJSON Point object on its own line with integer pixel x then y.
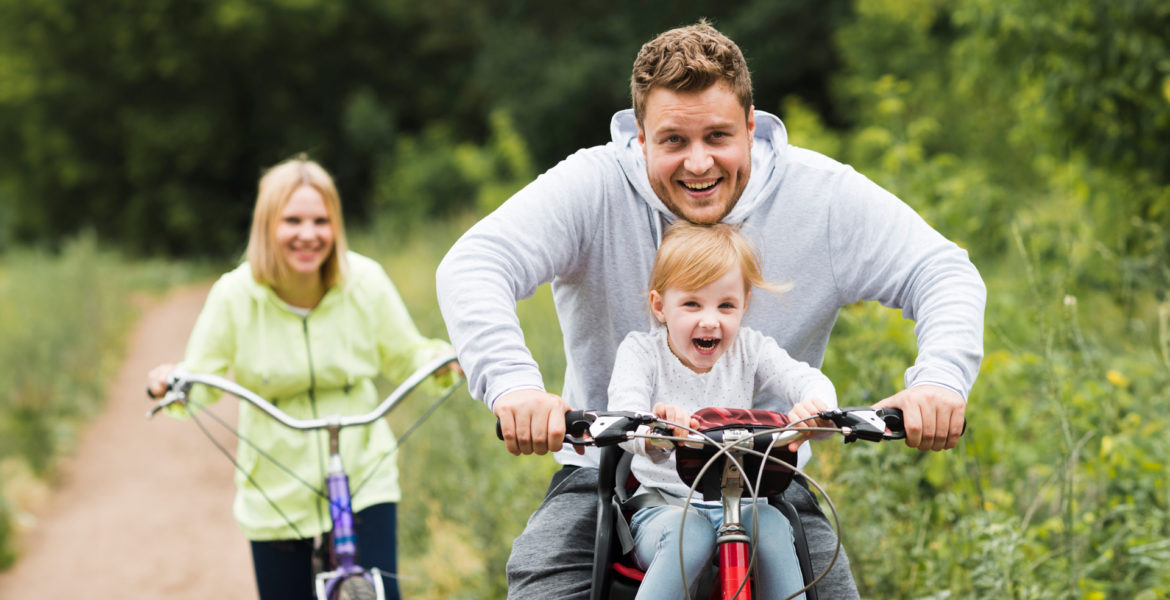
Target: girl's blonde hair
{"type": "Point", "coordinates": [276, 187]}
{"type": "Point", "coordinates": [692, 256]}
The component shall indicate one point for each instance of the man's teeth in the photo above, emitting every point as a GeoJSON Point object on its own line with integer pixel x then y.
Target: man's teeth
{"type": "Point", "coordinates": [700, 186]}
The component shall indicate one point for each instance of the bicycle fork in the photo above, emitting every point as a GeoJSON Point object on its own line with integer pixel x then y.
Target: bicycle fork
{"type": "Point", "coordinates": [344, 550]}
{"type": "Point", "coordinates": [733, 540]}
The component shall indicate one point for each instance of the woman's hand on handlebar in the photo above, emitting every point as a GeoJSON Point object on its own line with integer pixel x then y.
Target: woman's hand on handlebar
{"type": "Point", "coordinates": [156, 381]}
{"type": "Point", "coordinates": [451, 367]}
{"type": "Point", "coordinates": [532, 421]}
{"type": "Point", "coordinates": [933, 416]}
{"type": "Point", "coordinates": [803, 410]}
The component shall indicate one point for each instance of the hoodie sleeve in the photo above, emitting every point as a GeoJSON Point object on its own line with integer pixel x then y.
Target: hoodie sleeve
{"type": "Point", "coordinates": [537, 235]}
{"type": "Point", "coordinates": [211, 347]}
{"type": "Point", "coordinates": [401, 348]}
{"type": "Point", "coordinates": [882, 250]}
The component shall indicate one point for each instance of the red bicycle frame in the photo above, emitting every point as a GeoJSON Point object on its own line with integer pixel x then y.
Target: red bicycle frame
{"type": "Point", "coordinates": [733, 539]}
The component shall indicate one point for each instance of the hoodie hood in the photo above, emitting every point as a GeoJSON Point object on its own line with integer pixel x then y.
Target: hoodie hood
{"type": "Point", "coordinates": [768, 152]}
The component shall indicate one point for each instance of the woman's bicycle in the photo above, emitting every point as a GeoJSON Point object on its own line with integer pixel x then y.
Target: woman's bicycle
{"type": "Point", "coordinates": [735, 453]}
{"type": "Point", "coordinates": [339, 576]}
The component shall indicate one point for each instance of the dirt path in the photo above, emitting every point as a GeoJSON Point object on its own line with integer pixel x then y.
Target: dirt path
{"type": "Point", "coordinates": [143, 510]}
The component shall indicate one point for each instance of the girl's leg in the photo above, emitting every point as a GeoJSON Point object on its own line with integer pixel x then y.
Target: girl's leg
{"type": "Point", "coordinates": [377, 546]}
{"type": "Point", "coordinates": [779, 570]}
{"type": "Point", "coordinates": [284, 569]}
{"type": "Point", "coordinates": [656, 548]}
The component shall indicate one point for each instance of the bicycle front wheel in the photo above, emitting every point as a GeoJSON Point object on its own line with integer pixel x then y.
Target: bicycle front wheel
{"type": "Point", "coordinates": [356, 587]}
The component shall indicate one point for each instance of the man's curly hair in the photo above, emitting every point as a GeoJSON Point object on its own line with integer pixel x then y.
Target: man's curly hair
{"type": "Point", "coordinates": [689, 59]}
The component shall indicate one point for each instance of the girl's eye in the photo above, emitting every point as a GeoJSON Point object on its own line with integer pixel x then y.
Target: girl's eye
{"type": "Point", "coordinates": [322, 221]}
{"type": "Point", "coordinates": [727, 306]}
{"type": "Point", "coordinates": [691, 304]}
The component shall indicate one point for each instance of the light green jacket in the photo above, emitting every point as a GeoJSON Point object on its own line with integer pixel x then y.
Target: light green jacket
{"type": "Point", "coordinates": [309, 366]}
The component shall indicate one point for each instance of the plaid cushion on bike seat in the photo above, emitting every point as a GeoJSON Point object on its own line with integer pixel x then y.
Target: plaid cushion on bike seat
{"type": "Point", "coordinates": [713, 422]}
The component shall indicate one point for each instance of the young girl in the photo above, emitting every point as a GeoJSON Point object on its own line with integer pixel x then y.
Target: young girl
{"type": "Point", "coordinates": [699, 289]}
{"type": "Point", "coordinates": [308, 325]}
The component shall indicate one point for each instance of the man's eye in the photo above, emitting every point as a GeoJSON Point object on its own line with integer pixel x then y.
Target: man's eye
{"type": "Point", "coordinates": [672, 139]}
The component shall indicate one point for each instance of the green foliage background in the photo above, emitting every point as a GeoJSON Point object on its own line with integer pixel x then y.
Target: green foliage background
{"type": "Point", "coordinates": [1031, 132]}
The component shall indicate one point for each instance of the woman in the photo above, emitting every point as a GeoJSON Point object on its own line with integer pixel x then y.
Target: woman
{"type": "Point", "coordinates": [308, 325]}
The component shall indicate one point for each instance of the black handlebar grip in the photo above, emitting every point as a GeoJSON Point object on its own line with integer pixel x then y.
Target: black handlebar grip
{"type": "Point", "coordinates": [576, 423]}
{"type": "Point", "coordinates": [895, 423]}
{"type": "Point", "coordinates": [893, 419]}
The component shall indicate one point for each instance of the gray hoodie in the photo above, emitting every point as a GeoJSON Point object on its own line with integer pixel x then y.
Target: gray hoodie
{"type": "Point", "coordinates": [591, 226]}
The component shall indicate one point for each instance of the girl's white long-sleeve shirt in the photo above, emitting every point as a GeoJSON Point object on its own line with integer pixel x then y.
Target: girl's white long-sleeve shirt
{"type": "Point", "coordinates": [754, 372]}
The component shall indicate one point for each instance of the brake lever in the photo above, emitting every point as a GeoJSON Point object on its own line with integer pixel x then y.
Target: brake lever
{"type": "Point", "coordinates": [177, 388]}
{"type": "Point", "coordinates": [611, 429]}
{"type": "Point", "coordinates": [866, 423]}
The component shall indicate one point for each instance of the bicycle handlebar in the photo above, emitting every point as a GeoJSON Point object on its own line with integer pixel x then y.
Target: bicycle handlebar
{"type": "Point", "coordinates": [179, 383]}
{"type": "Point", "coordinates": [606, 428]}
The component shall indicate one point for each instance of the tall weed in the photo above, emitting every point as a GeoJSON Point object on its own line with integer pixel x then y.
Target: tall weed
{"type": "Point", "coordinates": [464, 497]}
{"type": "Point", "coordinates": [63, 318]}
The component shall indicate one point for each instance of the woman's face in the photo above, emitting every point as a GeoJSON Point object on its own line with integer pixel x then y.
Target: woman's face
{"type": "Point", "coordinates": [304, 232]}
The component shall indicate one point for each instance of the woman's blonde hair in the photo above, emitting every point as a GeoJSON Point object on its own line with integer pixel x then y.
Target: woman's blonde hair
{"type": "Point", "coordinates": [692, 256]}
{"type": "Point", "coordinates": [276, 187]}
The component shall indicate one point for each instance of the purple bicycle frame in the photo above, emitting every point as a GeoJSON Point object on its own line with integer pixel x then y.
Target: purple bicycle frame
{"type": "Point", "coordinates": [344, 548]}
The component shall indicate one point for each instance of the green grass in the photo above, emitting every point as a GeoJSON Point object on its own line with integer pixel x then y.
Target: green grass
{"type": "Point", "coordinates": [63, 323]}
{"type": "Point", "coordinates": [465, 497]}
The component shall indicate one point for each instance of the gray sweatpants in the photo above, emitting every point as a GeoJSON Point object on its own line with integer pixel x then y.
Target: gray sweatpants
{"type": "Point", "coordinates": [553, 557]}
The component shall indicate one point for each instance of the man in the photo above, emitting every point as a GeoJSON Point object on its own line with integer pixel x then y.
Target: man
{"type": "Point", "coordinates": [693, 148]}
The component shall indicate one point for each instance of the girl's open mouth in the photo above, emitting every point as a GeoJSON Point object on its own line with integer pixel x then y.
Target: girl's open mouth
{"type": "Point", "coordinates": [705, 345]}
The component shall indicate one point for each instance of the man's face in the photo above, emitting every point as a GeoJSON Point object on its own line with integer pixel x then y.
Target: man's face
{"type": "Point", "coordinates": [698, 150]}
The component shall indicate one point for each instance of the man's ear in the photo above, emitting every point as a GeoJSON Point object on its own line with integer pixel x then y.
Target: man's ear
{"type": "Point", "coordinates": [751, 125]}
{"type": "Point", "coordinates": [656, 306]}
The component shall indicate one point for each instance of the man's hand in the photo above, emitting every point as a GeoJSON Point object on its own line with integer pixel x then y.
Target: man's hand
{"type": "Point", "coordinates": [804, 410]}
{"type": "Point", "coordinates": [532, 421]}
{"type": "Point", "coordinates": [933, 416]}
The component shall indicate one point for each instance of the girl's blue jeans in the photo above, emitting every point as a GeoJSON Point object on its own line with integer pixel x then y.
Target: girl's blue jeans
{"type": "Point", "coordinates": [656, 531]}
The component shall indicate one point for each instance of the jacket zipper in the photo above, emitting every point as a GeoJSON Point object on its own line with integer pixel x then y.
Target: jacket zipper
{"type": "Point", "coordinates": [313, 407]}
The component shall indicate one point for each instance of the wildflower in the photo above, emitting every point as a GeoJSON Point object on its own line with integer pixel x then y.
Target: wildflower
{"type": "Point", "coordinates": [1117, 379]}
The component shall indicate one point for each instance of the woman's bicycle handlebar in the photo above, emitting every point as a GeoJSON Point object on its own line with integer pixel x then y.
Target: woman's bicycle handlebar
{"type": "Point", "coordinates": [179, 384]}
